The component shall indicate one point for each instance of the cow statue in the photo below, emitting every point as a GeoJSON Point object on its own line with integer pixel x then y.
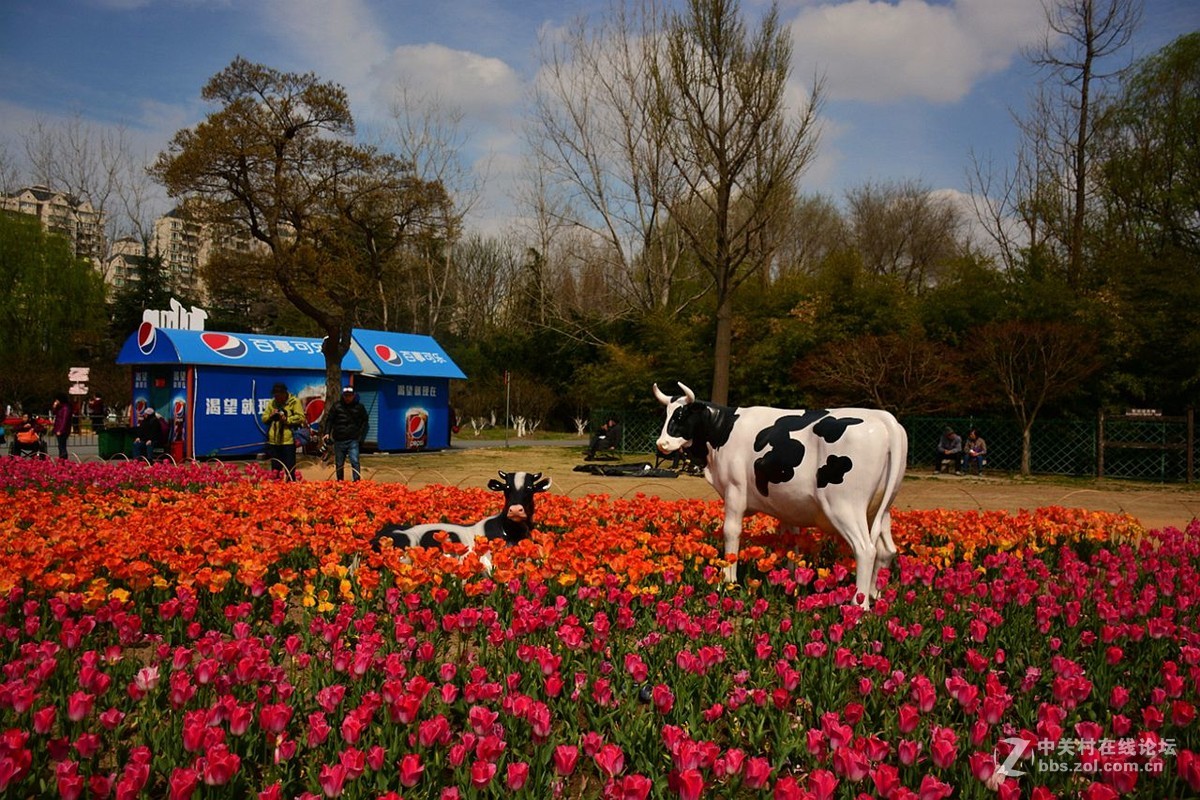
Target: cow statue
{"type": "Point", "coordinates": [838, 469]}
{"type": "Point", "coordinates": [511, 524]}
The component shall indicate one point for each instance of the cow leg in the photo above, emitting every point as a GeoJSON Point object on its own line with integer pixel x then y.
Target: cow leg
{"type": "Point", "coordinates": [735, 509]}
{"type": "Point", "coordinates": [885, 551]}
{"type": "Point", "coordinates": [855, 529]}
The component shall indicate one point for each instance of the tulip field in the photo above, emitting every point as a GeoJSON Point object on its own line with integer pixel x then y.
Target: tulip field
{"type": "Point", "coordinates": [194, 631]}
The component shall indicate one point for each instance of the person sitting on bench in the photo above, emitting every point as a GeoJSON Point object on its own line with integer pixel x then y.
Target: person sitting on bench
{"type": "Point", "coordinates": [950, 449]}
{"type": "Point", "coordinates": [607, 439]}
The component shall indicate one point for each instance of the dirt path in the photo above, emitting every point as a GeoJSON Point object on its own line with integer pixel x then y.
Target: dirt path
{"type": "Point", "coordinates": [1154, 505]}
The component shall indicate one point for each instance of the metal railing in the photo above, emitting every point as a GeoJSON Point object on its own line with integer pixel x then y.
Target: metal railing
{"type": "Point", "coordinates": [1151, 448]}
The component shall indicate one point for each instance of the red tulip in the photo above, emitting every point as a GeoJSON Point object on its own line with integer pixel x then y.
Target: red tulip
{"type": "Point", "coordinates": [183, 783]}
{"type": "Point", "coordinates": [565, 757]}
{"type": "Point", "coordinates": [758, 772]}
{"type": "Point", "coordinates": [482, 773]}
{"type": "Point", "coordinates": [411, 770]}
{"type": "Point", "coordinates": [610, 759]}
{"type": "Point", "coordinates": [79, 705]}
{"type": "Point", "coordinates": [516, 774]}
{"type": "Point", "coordinates": [662, 698]}
{"type": "Point", "coordinates": [631, 787]}
{"type": "Point", "coordinates": [786, 788]}
{"type": "Point", "coordinates": [219, 765]}
{"type": "Point", "coordinates": [332, 780]}
{"type": "Point", "coordinates": [1187, 765]}
{"type": "Point", "coordinates": [688, 784]}
{"type": "Point", "coordinates": [933, 789]}
{"type": "Point", "coordinates": [822, 783]}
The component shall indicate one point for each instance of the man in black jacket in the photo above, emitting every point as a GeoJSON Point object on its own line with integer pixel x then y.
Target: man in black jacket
{"type": "Point", "coordinates": [347, 425]}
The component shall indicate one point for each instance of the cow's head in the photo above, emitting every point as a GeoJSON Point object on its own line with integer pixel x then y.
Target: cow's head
{"type": "Point", "coordinates": [519, 489]}
{"type": "Point", "coordinates": [679, 428]}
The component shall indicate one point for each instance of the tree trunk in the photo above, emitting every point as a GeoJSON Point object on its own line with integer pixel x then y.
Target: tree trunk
{"type": "Point", "coordinates": [722, 347]}
{"type": "Point", "coordinates": [1026, 450]}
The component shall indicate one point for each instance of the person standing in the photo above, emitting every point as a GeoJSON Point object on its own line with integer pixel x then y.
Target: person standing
{"type": "Point", "coordinates": [60, 410]}
{"type": "Point", "coordinates": [347, 425]}
{"type": "Point", "coordinates": [97, 412]}
{"type": "Point", "coordinates": [282, 416]}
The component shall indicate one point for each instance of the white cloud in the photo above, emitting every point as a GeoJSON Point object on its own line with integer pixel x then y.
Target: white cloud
{"type": "Point", "coordinates": [483, 88]}
{"type": "Point", "coordinates": [877, 51]}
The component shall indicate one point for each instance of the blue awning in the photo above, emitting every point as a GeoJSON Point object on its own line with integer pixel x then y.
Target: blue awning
{"type": "Point", "coordinates": [154, 345]}
{"type": "Point", "coordinates": [376, 353]}
{"type": "Point", "coordinates": [402, 354]}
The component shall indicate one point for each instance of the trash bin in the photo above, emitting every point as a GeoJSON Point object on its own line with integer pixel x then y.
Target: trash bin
{"type": "Point", "coordinates": [111, 442]}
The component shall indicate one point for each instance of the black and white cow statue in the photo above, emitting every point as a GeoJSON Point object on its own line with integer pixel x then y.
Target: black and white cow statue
{"type": "Point", "coordinates": [838, 469]}
{"type": "Point", "coordinates": [511, 524]}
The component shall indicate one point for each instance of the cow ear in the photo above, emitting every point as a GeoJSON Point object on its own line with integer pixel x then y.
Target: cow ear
{"type": "Point", "coordinates": [497, 486]}
{"type": "Point", "coordinates": [542, 485]}
{"type": "Point", "coordinates": [503, 475]}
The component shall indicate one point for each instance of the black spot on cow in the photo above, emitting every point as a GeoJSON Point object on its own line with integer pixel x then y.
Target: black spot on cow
{"type": "Point", "coordinates": [702, 424]}
{"type": "Point", "coordinates": [833, 471]}
{"type": "Point", "coordinates": [778, 464]}
{"type": "Point", "coordinates": [430, 538]}
{"type": "Point", "coordinates": [831, 428]}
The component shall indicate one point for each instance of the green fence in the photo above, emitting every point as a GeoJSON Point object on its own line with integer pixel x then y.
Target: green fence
{"type": "Point", "coordinates": [1141, 449]}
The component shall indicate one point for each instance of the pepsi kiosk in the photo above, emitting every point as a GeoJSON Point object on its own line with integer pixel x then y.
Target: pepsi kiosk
{"type": "Point", "coordinates": [213, 387]}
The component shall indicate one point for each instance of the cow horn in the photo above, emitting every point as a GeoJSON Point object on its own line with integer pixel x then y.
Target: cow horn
{"type": "Point", "coordinates": [662, 398]}
{"type": "Point", "coordinates": [688, 393]}
{"type": "Point", "coordinates": [503, 475]}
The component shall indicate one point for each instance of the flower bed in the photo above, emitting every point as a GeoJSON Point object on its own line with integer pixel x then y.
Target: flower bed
{"type": "Point", "coordinates": [206, 640]}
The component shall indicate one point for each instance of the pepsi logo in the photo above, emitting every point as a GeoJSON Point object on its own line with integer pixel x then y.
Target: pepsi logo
{"type": "Point", "coordinates": [224, 345]}
{"type": "Point", "coordinates": [147, 335]}
{"type": "Point", "coordinates": [388, 354]}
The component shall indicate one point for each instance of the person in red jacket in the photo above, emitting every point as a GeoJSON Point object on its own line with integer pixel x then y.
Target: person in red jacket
{"type": "Point", "coordinates": [61, 412]}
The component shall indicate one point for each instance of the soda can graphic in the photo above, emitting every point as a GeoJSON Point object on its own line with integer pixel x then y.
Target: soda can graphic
{"type": "Point", "coordinates": [416, 429]}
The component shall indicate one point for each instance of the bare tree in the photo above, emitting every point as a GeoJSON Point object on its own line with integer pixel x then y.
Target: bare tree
{"type": "Point", "coordinates": [815, 229]}
{"type": "Point", "coordinates": [734, 148]}
{"type": "Point", "coordinates": [601, 145]}
{"type": "Point", "coordinates": [905, 374]}
{"type": "Point", "coordinates": [429, 134]}
{"type": "Point", "coordinates": [903, 231]}
{"type": "Point", "coordinates": [1080, 36]}
{"type": "Point", "coordinates": [1034, 364]}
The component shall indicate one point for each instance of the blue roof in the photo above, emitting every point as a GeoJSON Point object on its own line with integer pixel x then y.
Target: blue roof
{"type": "Point", "coordinates": [154, 345]}
{"type": "Point", "coordinates": [371, 352]}
{"type": "Point", "coordinates": [401, 354]}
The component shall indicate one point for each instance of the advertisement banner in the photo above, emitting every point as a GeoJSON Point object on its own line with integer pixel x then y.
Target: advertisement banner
{"type": "Point", "coordinates": [230, 403]}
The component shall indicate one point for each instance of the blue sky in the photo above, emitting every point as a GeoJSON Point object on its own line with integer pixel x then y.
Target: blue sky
{"type": "Point", "coordinates": [914, 86]}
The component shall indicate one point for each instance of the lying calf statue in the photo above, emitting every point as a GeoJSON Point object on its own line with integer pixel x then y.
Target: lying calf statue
{"type": "Point", "coordinates": [511, 524]}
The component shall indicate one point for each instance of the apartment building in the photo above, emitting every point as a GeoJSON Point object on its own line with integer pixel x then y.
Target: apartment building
{"type": "Point", "coordinates": [64, 214]}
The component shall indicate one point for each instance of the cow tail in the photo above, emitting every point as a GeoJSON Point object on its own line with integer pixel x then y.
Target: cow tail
{"type": "Point", "coordinates": [897, 463]}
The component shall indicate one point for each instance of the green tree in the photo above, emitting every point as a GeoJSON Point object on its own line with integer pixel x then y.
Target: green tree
{"type": "Point", "coordinates": [51, 311]}
{"type": "Point", "coordinates": [1150, 232]}
{"type": "Point", "coordinates": [733, 149]}
{"type": "Point", "coordinates": [276, 159]}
